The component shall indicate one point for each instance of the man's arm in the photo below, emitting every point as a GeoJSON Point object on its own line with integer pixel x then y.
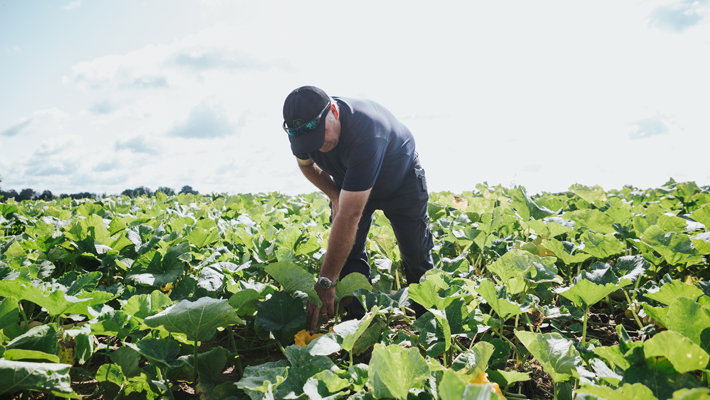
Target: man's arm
{"type": "Point", "coordinates": [340, 243]}
{"type": "Point", "coordinates": [319, 178]}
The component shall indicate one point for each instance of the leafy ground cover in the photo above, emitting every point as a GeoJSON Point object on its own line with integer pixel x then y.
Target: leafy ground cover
{"type": "Point", "coordinates": [584, 294]}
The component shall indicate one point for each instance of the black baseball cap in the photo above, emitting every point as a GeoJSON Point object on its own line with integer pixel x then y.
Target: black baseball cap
{"type": "Point", "coordinates": [304, 113]}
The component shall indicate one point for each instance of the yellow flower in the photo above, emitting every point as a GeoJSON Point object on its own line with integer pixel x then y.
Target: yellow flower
{"type": "Point", "coordinates": [303, 338]}
{"type": "Point", "coordinates": [482, 378]}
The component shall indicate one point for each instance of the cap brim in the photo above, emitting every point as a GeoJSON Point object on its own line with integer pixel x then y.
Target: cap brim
{"type": "Point", "coordinates": [309, 142]}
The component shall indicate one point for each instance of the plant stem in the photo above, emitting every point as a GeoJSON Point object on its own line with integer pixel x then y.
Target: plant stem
{"type": "Point", "coordinates": [632, 310]}
{"type": "Point", "coordinates": [24, 317]}
{"type": "Point", "coordinates": [532, 328]}
{"type": "Point", "coordinates": [195, 374]}
{"type": "Point", "coordinates": [584, 327]}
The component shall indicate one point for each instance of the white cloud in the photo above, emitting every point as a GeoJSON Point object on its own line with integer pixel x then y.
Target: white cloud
{"type": "Point", "coordinates": [72, 5]}
{"type": "Point", "coordinates": [137, 144]}
{"type": "Point", "coordinates": [680, 15]}
{"type": "Point", "coordinates": [207, 120]}
{"type": "Point", "coordinates": [49, 118]}
{"type": "Point", "coordinates": [648, 127]}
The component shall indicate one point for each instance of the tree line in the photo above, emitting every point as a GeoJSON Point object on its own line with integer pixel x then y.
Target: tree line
{"type": "Point", "coordinates": [31, 194]}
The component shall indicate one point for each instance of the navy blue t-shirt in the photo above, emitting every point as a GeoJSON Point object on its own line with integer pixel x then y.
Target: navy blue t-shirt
{"type": "Point", "coordinates": [375, 150]}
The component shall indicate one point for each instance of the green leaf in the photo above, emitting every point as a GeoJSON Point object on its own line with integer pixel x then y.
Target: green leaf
{"type": "Point", "coordinates": [613, 355]}
{"type": "Point", "coordinates": [263, 378]}
{"type": "Point", "coordinates": [558, 249]}
{"type": "Point", "coordinates": [667, 293]}
{"type": "Point", "coordinates": [498, 300]}
{"type": "Point", "coordinates": [9, 312]}
{"type": "Point", "coordinates": [426, 293]}
{"type": "Point", "coordinates": [691, 394]}
{"type": "Point", "coordinates": [56, 303]}
{"type": "Point", "coordinates": [144, 305]}
{"type": "Point", "coordinates": [594, 195]}
{"type": "Point", "coordinates": [22, 354]}
{"type": "Point", "coordinates": [352, 282]}
{"type": "Point", "coordinates": [127, 358]}
{"type": "Point", "coordinates": [201, 238]}
{"type": "Point", "coordinates": [245, 301]}
{"type": "Point", "coordinates": [281, 312]}
{"type": "Point", "coordinates": [324, 384]}
{"type": "Point", "coordinates": [516, 263]}
{"type": "Point", "coordinates": [601, 246]}
{"type": "Point", "coordinates": [434, 332]}
{"type": "Point", "coordinates": [351, 331]}
{"type": "Point", "coordinates": [474, 361]}
{"type": "Point", "coordinates": [637, 391]}
{"type": "Point", "coordinates": [155, 269]}
{"type": "Point", "coordinates": [691, 320]}
{"type": "Point", "coordinates": [195, 319]}
{"type": "Point", "coordinates": [702, 215]}
{"type": "Point", "coordinates": [160, 352]}
{"type": "Point", "coordinates": [41, 338]}
{"type": "Point", "coordinates": [557, 355]}
{"type": "Point", "coordinates": [524, 205]}
{"type": "Point", "coordinates": [676, 248]}
{"type": "Point", "coordinates": [507, 378]}
{"type": "Point", "coordinates": [292, 278]}
{"type": "Point", "coordinates": [592, 219]}
{"type": "Point", "coordinates": [111, 373]}
{"type": "Point", "coordinates": [42, 377]}
{"type": "Point", "coordinates": [585, 294]}
{"type": "Point", "coordinates": [685, 355]}
{"type": "Point", "coordinates": [394, 370]}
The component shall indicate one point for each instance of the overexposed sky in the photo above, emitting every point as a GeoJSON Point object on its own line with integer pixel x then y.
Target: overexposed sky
{"type": "Point", "coordinates": [101, 96]}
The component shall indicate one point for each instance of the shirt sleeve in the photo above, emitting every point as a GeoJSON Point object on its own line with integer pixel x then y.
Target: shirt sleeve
{"type": "Point", "coordinates": [303, 156]}
{"type": "Point", "coordinates": [363, 165]}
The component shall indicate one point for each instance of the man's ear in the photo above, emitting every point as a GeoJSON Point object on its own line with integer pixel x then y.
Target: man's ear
{"type": "Point", "coordinates": [334, 110]}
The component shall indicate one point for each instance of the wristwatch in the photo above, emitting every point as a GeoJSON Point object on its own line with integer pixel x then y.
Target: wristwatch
{"type": "Point", "coordinates": [325, 283]}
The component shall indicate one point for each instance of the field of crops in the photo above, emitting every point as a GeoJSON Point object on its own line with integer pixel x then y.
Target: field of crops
{"type": "Point", "coordinates": [585, 294]}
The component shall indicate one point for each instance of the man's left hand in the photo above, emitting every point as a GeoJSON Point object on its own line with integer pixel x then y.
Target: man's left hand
{"type": "Point", "coordinates": [327, 310]}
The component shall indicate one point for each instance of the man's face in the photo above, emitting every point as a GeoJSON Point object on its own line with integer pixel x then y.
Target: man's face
{"type": "Point", "coordinates": [332, 133]}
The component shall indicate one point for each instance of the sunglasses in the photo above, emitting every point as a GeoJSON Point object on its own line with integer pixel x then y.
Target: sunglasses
{"type": "Point", "coordinates": [309, 126]}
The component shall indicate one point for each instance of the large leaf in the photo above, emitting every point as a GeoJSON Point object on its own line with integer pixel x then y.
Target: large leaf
{"type": "Point", "coordinates": [676, 248]}
{"type": "Point", "coordinates": [516, 263]}
{"type": "Point", "coordinates": [352, 282]}
{"type": "Point", "coordinates": [434, 332]}
{"type": "Point", "coordinates": [594, 195]}
{"type": "Point", "coordinates": [195, 319]}
{"type": "Point", "coordinates": [557, 355]}
{"type": "Point", "coordinates": [637, 391]}
{"type": "Point", "coordinates": [56, 303]}
{"type": "Point", "coordinates": [685, 355]}
{"type": "Point", "coordinates": [691, 320]}
{"type": "Point", "coordinates": [474, 361]}
{"type": "Point", "coordinates": [350, 331]}
{"type": "Point", "coordinates": [394, 370]}
{"type": "Point", "coordinates": [667, 293]}
{"type": "Point", "coordinates": [585, 294]}
{"type": "Point", "coordinates": [9, 312]}
{"type": "Point", "coordinates": [601, 246]}
{"type": "Point", "coordinates": [702, 215]}
{"type": "Point", "coordinates": [281, 312]}
{"type": "Point", "coordinates": [293, 278]}
{"type": "Point", "coordinates": [154, 268]}
{"type": "Point", "coordinates": [42, 377]}
{"type": "Point", "coordinates": [592, 219]}
{"type": "Point", "coordinates": [453, 387]}
{"type": "Point", "coordinates": [524, 205]}
{"type": "Point", "coordinates": [558, 249]}
{"type": "Point", "coordinates": [160, 352]}
{"type": "Point", "coordinates": [498, 300]}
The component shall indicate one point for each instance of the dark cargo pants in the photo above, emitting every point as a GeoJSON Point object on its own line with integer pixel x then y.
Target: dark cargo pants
{"type": "Point", "coordinates": [407, 212]}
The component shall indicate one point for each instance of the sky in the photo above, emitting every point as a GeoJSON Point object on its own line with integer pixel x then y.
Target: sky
{"type": "Point", "coordinates": [101, 96]}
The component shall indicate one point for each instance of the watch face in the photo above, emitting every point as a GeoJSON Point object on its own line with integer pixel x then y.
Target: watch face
{"type": "Point", "coordinates": [325, 283]}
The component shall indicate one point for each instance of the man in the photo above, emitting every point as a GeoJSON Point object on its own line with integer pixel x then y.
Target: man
{"type": "Point", "coordinates": [360, 156]}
